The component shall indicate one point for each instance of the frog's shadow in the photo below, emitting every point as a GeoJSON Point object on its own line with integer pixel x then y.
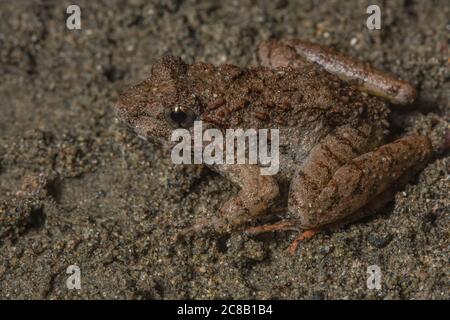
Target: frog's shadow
{"type": "Point", "coordinates": [398, 116]}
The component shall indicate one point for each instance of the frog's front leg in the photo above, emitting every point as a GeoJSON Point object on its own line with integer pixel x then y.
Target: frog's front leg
{"type": "Point", "coordinates": [332, 185]}
{"type": "Point", "coordinates": [255, 196]}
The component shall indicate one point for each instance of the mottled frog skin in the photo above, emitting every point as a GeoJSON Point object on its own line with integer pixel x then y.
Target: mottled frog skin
{"type": "Point", "coordinates": [332, 115]}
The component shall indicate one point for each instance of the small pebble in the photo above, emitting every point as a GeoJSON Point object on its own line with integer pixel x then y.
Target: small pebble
{"type": "Point", "coordinates": [379, 241]}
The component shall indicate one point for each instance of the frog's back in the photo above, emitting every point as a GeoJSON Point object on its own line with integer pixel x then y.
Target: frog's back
{"type": "Point", "coordinates": [265, 98]}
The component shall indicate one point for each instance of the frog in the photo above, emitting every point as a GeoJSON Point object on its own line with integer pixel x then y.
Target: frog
{"type": "Point", "coordinates": [337, 164]}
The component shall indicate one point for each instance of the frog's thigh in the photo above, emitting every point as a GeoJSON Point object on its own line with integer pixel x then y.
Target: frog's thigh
{"type": "Point", "coordinates": [257, 191]}
{"type": "Point", "coordinates": [323, 193]}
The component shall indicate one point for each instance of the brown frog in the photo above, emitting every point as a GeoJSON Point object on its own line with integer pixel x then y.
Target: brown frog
{"type": "Point", "coordinates": [332, 118]}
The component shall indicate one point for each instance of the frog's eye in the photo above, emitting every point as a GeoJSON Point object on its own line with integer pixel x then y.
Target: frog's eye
{"type": "Point", "coordinates": [181, 117]}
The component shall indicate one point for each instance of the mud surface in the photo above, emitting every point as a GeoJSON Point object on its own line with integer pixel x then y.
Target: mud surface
{"type": "Point", "coordinates": [77, 189]}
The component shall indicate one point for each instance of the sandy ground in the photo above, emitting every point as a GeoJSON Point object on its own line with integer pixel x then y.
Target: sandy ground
{"type": "Point", "coordinates": [77, 189]}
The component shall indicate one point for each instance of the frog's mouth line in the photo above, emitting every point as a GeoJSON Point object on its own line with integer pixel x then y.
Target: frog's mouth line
{"type": "Point", "coordinates": [146, 137]}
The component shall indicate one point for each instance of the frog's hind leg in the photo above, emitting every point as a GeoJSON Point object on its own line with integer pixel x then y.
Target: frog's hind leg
{"type": "Point", "coordinates": [372, 207]}
{"type": "Point", "coordinates": [295, 52]}
{"type": "Point", "coordinates": [336, 183]}
{"type": "Point", "coordinates": [341, 181]}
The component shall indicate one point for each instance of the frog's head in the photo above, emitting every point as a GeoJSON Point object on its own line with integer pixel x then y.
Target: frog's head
{"type": "Point", "coordinates": [161, 103]}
